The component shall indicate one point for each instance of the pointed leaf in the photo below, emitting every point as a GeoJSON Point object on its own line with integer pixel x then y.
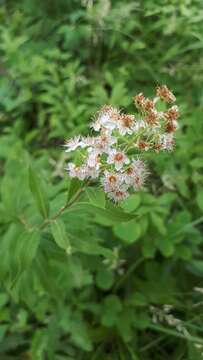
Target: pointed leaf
{"type": "Point", "coordinates": [38, 193]}
{"type": "Point", "coordinates": [74, 186]}
{"type": "Point", "coordinates": [96, 197]}
{"type": "Point", "coordinates": [60, 236]}
{"type": "Point", "coordinates": [113, 214]}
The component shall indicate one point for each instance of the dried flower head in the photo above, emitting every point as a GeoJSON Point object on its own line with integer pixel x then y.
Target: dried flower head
{"type": "Point", "coordinates": [113, 154]}
{"type": "Point", "coordinates": [165, 94]}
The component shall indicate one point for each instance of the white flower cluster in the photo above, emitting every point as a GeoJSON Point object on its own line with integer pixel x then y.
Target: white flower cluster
{"type": "Point", "coordinates": [112, 155]}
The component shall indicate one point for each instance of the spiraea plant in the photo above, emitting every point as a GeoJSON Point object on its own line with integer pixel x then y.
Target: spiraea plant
{"type": "Point", "coordinates": [114, 155]}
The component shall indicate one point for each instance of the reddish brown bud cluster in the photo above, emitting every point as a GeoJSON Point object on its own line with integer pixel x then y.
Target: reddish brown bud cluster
{"type": "Point", "coordinates": [143, 145]}
{"type": "Point", "coordinates": [139, 100]}
{"type": "Point", "coordinates": [152, 118]}
{"type": "Point", "coordinates": [144, 104]}
{"type": "Point", "coordinates": [172, 113]}
{"type": "Point", "coordinates": [127, 120]}
{"type": "Point", "coordinates": [163, 123]}
{"type": "Point", "coordinates": [165, 94]}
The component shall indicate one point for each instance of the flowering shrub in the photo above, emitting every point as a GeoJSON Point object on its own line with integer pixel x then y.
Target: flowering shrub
{"type": "Point", "coordinates": [113, 155]}
{"type": "Point", "coordinates": [80, 276]}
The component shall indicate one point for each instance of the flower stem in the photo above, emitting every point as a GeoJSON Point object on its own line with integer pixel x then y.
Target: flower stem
{"type": "Point", "coordinates": [66, 206]}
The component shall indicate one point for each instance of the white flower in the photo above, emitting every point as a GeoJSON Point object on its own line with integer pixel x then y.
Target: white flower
{"type": "Point", "coordinates": [118, 158]}
{"type": "Point", "coordinates": [140, 125]}
{"type": "Point", "coordinates": [112, 181]}
{"type": "Point", "coordinates": [138, 166]}
{"type": "Point", "coordinates": [96, 125]}
{"type": "Point", "coordinates": [71, 169]}
{"type": "Point", "coordinates": [137, 182]}
{"type": "Point", "coordinates": [126, 124]}
{"type": "Point", "coordinates": [135, 175]}
{"type": "Point", "coordinates": [92, 172]}
{"type": "Point", "coordinates": [77, 171]}
{"type": "Point", "coordinates": [166, 141]}
{"type": "Point", "coordinates": [107, 118]}
{"type": "Point", "coordinates": [87, 141]}
{"type": "Point", "coordinates": [104, 142]}
{"type": "Point", "coordinates": [73, 143]}
{"type": "Point", "coordinates": [93, 159]}
{"type": "Point", "coordinates": [118, 195]}
{"type": "Point", "coordinates": [82, 172]}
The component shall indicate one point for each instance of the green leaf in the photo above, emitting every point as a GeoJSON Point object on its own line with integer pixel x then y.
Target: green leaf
{"type": "Point", "coordinates": [129, 231]}
{"type": "Point", "coordinates": [196, 267]}
{"type": "Point", "coordinates": [131, 203]}
{"type": "Point", "coordinates": [60, 236]}
{"type": "Point", "coordinates": [111, 309]}
{"type": "Point", "coordinates": [113, 214]}
{"type": "Point", "coordinates": [199, 199]}
{"type": "Point", "coordinates": [26, 249]}
{"type": "Point", "coordinates": [184, 252]}
{"type": "Point", "coordinates": [96, 197]}
{"type": "Point", "coordinates": [138, 299]}
{"type": "Point", "coordinates": [80, 276]}
{"type": "Point", "coordinates": [75, 185]}
{"type": "Point", "coordinates": [158, 223]}
{"type": "Point", "coordinates": [79, 332]}
{"type": "Point", "coordinates": [104, 279]}
{"type": "Point", "coordinates": [165, 245]}
{"type": "Point", "coordinates": [91, 248]}
{"type": "Point", "coordinates": [148, 247]}
{"type": "Point", "coordinates": [144, 224]}
{"type": "Point", "coordinates": [197, 163]}
{"type": "Point", "coordinates": [38, 193]}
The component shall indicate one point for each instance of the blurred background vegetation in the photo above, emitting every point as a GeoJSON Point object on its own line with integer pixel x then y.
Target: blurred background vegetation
{"type": "Point", "coordinates": [60, 60]}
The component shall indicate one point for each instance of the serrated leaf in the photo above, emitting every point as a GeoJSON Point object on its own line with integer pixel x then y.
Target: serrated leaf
{"type": "Point", "coordinates": [39, 193]}
{"type": "Point", "coordinates": [60, 235]}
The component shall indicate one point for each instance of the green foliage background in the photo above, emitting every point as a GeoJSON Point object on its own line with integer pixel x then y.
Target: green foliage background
{"type": "Point", "coordinates": [82, 287]}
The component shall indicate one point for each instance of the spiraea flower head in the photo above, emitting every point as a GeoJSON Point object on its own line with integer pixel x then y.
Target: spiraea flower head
{"type": "Point", "coordinates": [106, 118]}
{"type": "Point", "coordinates": [126, 124]}
{"type": "Point", "coordinates": [165, 94]}
{"type": "Point", "coordinates": [112, 181]}
{"type": "Point", "coordinates": [112, 156]}
{"type": "Point", "coordinates": [117, 158]}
